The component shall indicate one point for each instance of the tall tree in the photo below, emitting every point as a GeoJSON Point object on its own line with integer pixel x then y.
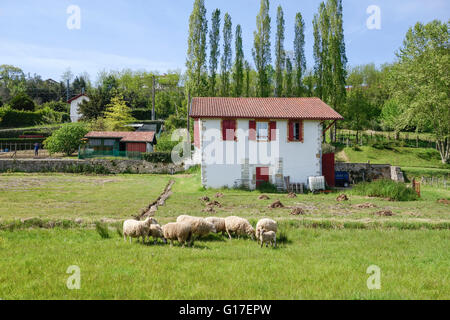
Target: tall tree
{"type": "Point", "coordinates": [238, 70]}
{"type": "Point", "coordinates": [248, 70]}
{"type": "Point", "coordinates": [299, 53]}
{"type": "Point", "coordinates": [118, 114]}
{"type": "Point", "coordinates": [214, 39]}
{"type": "Point", "coordinates": [261, 49]}
{"type": "Point", "coordinates": [196, 54]}
{"type": "Point", "coordinates": [225, 65]}
{"type": "Point", "coordinates": [280, 54]}
{"type": "Point", "coordinates": [318, 63]}
{"type": "Point", "coordinates": [337, 57]}
{"type": "Point", "coordinates": [288, 89]}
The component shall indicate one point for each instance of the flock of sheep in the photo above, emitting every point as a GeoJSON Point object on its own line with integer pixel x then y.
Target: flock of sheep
{"type": "Point", "coordinates": [187, 228]}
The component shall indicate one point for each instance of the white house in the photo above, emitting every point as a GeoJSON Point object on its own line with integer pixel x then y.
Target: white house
{"type": "Point", "coordinates": [246, 141]}
{"type": "Point", "coordinates": [74, 104]}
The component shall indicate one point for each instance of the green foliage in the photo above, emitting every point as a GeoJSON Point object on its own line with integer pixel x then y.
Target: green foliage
{"type": "Point", "coordinates": [67, 139]}
{"type": "Point", "coordinates": [158, 157]}
{"type": "Point", "coordinates": [118, 114]}
{"type": "Point", "coordinates": [10, 118]}
{"type": "Point", "coordinates": [103, 230]}
{"type": "Point", "coordinates": [280, 54]}
{"type": "Point", "coordinates": [299, 53]}
{"type": "Point", "coordinates": [22, 102]}
{"type": "Point", "coordinates": [267, 187]}
{"type": "Point", "coordinates": [58, 106]}
{"type": "Point", "coordinates": [165, 143]}
{"type": "Point", "coordinates": [386, 189]}
{"type": "Point", "coordinates": [238, 68]}
{"type": "Point", "coordinates": [225, 65]}
{"type": "Point", "coordinates": [261, 49]}
{"type": "Point", "coordinates": [174, 122]}
{"type": "Point", "coordinates": [214, 38]}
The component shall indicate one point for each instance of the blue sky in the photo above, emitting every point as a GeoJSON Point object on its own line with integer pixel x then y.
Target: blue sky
{"type": "Point", "coordinates": [152, 34]}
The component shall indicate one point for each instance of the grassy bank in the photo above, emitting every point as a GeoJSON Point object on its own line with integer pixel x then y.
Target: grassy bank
{"type": "Point", "coordinates": [314, 264]}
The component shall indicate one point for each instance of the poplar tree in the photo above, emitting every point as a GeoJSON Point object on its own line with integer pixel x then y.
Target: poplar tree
{"type": "Point", "coordinates": [214, 39]}
{"type": "Point", "coordinates": [248, 70]}
{"type": "Point", "coordinates": [238, 70]}
{"type": "Point", "coordinates": [289, 75]}
{"type": "Point", "coordinates": [299, 54]}
{"type": "Point", "coordinates": [227, 56]}
{"type": "Point", "coordinates": [280, 55]}
{"type": "Point", "coordinates": [196, 55]}
{"type": "Point", "coordinates": [261, 49]}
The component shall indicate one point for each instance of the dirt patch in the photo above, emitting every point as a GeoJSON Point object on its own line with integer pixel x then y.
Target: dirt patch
{"type": "Point", "coordinates": [214, 204]}
{"type": "Point", "coordinates": [298, 212]}
{"type": "Point", "coordinates": [205, 198]}
{"type": "Point", "coordinates": [342, 197]}
{"type": "Point", "coordinates": [444, 201]}
{"type": "Point", "coordinates": [263, 197]}
{"type": "Point", "coordinates": [209, 210]}
{"type": "Point", "coordinates": [151, 209]}
{"type": "Point", "coordinates": [365, 206]}
{"type": "Point", "coordinates": [292, 195]}
{"type": "Point", "coordinates": [276, 204]}
{"type": "Point", "coordinates": [384, 213]}
{"type": "Point", "coordinates": [219, 195]}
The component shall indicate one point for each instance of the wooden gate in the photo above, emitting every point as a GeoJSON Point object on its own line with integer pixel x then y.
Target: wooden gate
{"type": "Point", "coordinates": [328, 170]}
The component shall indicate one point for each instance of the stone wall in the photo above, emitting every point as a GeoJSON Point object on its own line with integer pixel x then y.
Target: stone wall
{"type": "Point", "coordinates": [369, 172]}
{"type": "Point", "coordinates": [68, 165]}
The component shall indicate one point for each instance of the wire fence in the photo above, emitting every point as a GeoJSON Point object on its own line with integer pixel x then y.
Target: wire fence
{"type": "Point", "coordinates": [350, 139]}
{"type": "Point", "coordinates": [437, 182]}
{"type": "Point", "coordinates": [87, 153]}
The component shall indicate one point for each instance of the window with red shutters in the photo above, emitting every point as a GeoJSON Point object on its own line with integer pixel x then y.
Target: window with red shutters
{"type": "Point", "coordinates": [229, 130]}
{"type": "Point", "coordinates": [252, 130]}
{"type": "Point", "coordinates": [295, 131]}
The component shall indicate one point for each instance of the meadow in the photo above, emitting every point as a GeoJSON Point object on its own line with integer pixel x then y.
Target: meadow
{"type": "Point", "coordinates": [324, 254]}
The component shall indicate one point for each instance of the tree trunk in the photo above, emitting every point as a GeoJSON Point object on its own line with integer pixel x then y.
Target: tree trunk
{"type": "Point", "coordinates": [397, 135]}
{"type": "Point", "coordinates": [443, 147]}
{"type": "Point", "coordinates": [357, 134]}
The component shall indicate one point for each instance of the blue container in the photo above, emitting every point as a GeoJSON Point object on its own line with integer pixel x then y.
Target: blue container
{"type": "Point", "coordinates": [342, 179]}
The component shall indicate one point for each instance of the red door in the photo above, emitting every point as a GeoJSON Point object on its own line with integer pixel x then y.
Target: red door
{"type": "Point", "coordinates": [328, 169]}
{"type": "Point", "coordinates": [262, 175]}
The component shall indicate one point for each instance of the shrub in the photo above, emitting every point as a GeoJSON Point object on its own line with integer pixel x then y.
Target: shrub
{"type": "Point", "coordinates": [67, 139]}
{"type": "Point", "coordinates": [267, 187]}
{"type": "Point", "coordinates": [10, 118]}
{"type": "Point", "coordinates": [102, 230]}
{"type": "Point", "coordinates": [142, 114]}
{"type": "Point", "coordinates": [22, 102]}
{"type": "Point", "coordinates": [158, 157]}
{"type": "Point", "coordinates": [386, 189]}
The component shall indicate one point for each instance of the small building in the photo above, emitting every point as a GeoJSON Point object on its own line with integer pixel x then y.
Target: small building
{"type": "Point", "coordinates": [249, 141]}
{"type": "Point", "coordinates": [75, 102]}
{"type": "Point", "coordinates": [118, 144]}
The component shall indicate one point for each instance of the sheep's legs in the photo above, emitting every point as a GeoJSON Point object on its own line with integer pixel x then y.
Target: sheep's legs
{"type": "Point", "coordinates": [229, 235]}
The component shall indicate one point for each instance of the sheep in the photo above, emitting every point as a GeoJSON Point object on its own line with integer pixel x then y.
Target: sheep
{"type": "Point", "coordinates": [179, 231]}
{"type": "Point", "coordinates": [219, 224]}
{"type": "Point", "coordinates": [137, 229]}
{"type": "Point", "coordinates": [266, 225]}
{"type": "Point", "coordinates": [239, 226]}
{"type": "Point", "coordinates": [155, 231]}
{"type": "Point", "coordinates": [200, 227]}
{"type": "Point", "coordinates": [268, 237]}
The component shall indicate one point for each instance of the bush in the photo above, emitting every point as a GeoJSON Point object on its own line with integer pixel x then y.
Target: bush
{"type": "Point", "coordinates": [10, 118]}
{"type": "Point", "coordinates": [158, 157]}
{"type": "Point", "coordinates": [22, 102]}
{"type": "Point", "coordinates": [267, 187]}
{"type": "Point", "coordinates": [67, 139]}
{"type": "Point", "coordinates": [14, 133]}
{"type": "Point", "coordinates": [102, 230]}
{"type": "Point", "coordinates": [58, 106]}
{"type": "Point", "coordinates": [142, 114]}
{"type": "Point", "coordinates": [386, 189]}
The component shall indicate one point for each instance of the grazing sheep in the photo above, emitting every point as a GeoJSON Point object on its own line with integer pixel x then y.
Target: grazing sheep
{"type": "Point", "coordinates": [266, 225]}
{"type": "Point", "coordinates": [219, 224]}
{"type": "Point", "coordinates": [199, 226]}
{"type": "Point", "coordinates": [179, 231]}
{"type": "Point", "coordinates": [137, 229]}
{"type": "Point", "coordinates": [155, 231]}
{"type": "Point", "coordinates": [268, 237]}
{"type": "Point", "coordinates": [239, 226]}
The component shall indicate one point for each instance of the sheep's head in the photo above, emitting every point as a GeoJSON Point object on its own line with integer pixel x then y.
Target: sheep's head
{"type": "Point", "coordinates": [251, 232]}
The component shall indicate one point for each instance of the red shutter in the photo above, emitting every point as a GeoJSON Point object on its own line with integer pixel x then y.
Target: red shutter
{"type": "Point", "coordinates": [224, 129]}
{"type": "Point", "coordinates": [197, 133]}
{"type": "Point", "coordinates": [300, 134]}
{"type": "Point", "coordinates": [252, 130]}
{"type": "Point", "coordinates": [228, 130]}
{"type": "Point", "coordinates": [272, 131]}
{"type": "Point", "coordinates": [291, 131]}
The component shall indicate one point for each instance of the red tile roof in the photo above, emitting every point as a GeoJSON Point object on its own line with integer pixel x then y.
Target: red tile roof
{"type": "Point", "coordinates": [137, 136]}
{"type": "Point", "coordinates": [263, 108]}
{"type": "Point", "coordinates": [76, 97]}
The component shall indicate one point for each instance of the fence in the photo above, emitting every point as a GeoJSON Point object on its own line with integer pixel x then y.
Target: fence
{"type": "Point", "coordinates": [437, 182]}
{"type": "Point", "coordinates": [86, 153]}
{"type": "Point", "coordinates": [350, 139]}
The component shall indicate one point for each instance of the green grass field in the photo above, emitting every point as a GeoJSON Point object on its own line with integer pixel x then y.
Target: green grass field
{"type": "Point", "coordinates": [326, 255]}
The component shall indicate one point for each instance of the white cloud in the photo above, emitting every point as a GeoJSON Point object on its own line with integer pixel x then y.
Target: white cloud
{"type": "Point", "coordinates": [52, 62]}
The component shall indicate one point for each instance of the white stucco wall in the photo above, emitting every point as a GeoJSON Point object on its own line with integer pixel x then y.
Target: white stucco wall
{"type": "Point", "coordinates": [294, 159]}
{"type": "Point", "coordinates": [74, 113]}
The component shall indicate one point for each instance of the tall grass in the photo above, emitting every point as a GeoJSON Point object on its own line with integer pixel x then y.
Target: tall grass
{"type": "Point", "coordinates": [386, 189]}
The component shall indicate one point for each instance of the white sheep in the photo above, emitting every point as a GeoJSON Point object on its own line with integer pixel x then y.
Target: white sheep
{"type": "Point", "coordinates": [137, 229]}
{"type": "Point", "coordinates": [155, 231]}
{"type": "Point", "coordinates": [239, 226]}
{"type": "Point", "coordinates": [199, 226]}
{"type": "Point", "coordinates": [219, 224]}
{"type": "Point", "coordinates": [266, 225]}
{"type": "Point", "coordinates": [179, 231]}
{"type": "Point", "coordinates": [268, 237]}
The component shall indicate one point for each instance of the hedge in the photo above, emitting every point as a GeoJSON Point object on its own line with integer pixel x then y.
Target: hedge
{"type": "Point", "coordinates": [11, 118]}
{"type": "Point", "coordinates": [142, 114]}
{"type": "Point", "coordinates": [158, 157]}
{"type": "Point", "coordinates": [15, 133]}
{"type": "Point", "coordinates": [21, 140]}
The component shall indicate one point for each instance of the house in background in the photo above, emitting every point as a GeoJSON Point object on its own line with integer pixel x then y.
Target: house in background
{"type": "Point", "coordinates": [290, 128]}
{"type": "Point", "coordinates": [74, 104]}
{"type": "Point", "coordinates": [118, 144]}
